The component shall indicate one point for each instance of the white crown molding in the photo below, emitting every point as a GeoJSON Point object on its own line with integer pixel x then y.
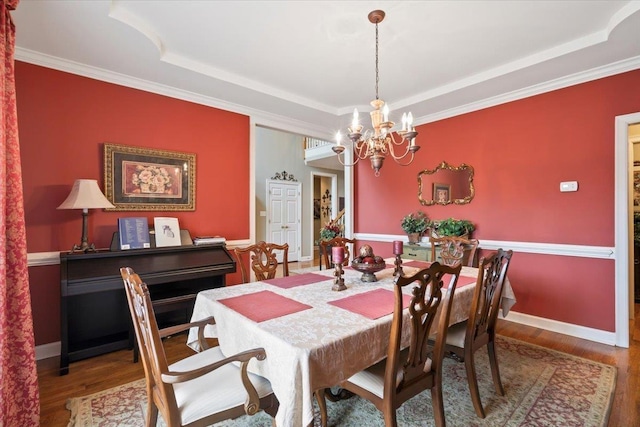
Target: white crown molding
{"type": "Point", "coordinates": [549, 86]}
{"type": "Point", "coordinates": [120, 13]}
{"type": "Point", "coordinates": [601, 252]}
{"type": "Point", "coordinates": [262, 117]}
{"type": "Point", "coordinates": [311, 129]}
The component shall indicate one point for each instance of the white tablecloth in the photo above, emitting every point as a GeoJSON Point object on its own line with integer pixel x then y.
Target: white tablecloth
{"type": "Point", "coordinates": [317, 347]}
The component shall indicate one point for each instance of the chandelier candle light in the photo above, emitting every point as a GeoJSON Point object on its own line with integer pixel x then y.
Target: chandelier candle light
{"type": "Point", "coordinates": [382, 140]}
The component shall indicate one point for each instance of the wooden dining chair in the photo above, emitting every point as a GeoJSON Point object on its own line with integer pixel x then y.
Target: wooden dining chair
{"type": "Point", "coordinates": [453, 250]}
{"type": "Point", "coordinates": [464, 338]}
{"type": "Point", "coordinates": [406, 373]}
{"type": "Point", "coordinates": [263, 260]}
{"type": "Point", "coordinates": [201, 389]}
{"type": "Point", "coordinates": [325, 250]}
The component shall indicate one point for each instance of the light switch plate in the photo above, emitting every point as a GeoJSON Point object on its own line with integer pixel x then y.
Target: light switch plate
{"type": "Point", "coordinates": [568, 186]}
{"type": "Point", "coordinates": [263, 213]}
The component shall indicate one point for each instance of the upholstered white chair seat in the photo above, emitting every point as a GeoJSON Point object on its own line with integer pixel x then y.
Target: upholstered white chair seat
{"type": "Point", "coordinates": [372, 378]}
{"type": "Point", "coordinates": [214, 392]}
{"type": "Point", "coordinates": [456, 334]}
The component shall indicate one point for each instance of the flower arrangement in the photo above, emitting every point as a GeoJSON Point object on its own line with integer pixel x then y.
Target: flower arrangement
{"type": "Point", "coordinates": [416, 222]}
{"type": "Point", "coordinates": [151, 179]}
{"type": "Point", "coordinates": [329, 231]}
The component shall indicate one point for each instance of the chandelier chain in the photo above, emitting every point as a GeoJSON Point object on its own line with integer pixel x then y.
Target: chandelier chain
{"type": "Point", "coordinates": [377, 76]}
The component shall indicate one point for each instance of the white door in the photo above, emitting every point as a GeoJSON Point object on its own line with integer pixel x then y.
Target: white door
{"type": "Point", "coordinates": [284, 204]}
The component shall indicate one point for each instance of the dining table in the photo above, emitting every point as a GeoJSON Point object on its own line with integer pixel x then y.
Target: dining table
{"type": "Point", "coordinates": [315, 337]}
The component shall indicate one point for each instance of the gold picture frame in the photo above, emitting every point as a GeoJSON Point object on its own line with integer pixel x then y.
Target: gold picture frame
{"type": "Point", "coordinates": [145, 179]}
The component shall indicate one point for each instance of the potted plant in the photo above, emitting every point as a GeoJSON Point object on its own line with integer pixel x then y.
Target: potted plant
{"type": "Point", "coordinates": [329, 231]}
{"type": "Point", "coordinates": [454, 227]}
{"type": "Point", "coordinates": [415, 224]}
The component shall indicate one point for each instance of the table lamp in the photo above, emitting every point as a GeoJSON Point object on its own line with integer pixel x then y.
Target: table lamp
{"type": "Point", "coordinates": [85, 195]}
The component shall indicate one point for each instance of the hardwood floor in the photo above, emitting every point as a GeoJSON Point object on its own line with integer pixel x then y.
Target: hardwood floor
{"type": "Point", "coordinates": [109, 370]}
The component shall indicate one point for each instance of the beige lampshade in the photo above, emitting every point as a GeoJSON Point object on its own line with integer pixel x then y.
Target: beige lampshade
{"type": "Point", "coordinates": [85, 194]}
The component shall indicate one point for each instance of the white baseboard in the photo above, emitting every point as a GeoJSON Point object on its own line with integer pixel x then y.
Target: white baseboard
{"type": "Point", "coordinates": [46, 351]}
{"type": "Point", "coordinates": [577, 331]}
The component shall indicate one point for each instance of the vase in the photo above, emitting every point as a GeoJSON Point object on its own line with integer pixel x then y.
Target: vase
{"type": "Point", "coordinates": [414, 238]}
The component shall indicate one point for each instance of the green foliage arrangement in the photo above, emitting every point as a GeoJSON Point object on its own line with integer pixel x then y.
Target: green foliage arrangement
{"type": "Point", "coordinates": [415, 222]}
{"type": "Point", "coordinates": [453, 227]}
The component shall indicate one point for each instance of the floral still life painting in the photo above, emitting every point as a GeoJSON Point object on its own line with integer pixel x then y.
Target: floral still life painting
{"type": "Point", "coordinates": [144, 179]}
{"type": "Point", "coordinates": [151, 179]}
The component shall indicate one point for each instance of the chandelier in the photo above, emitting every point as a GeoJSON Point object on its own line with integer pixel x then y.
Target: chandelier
{"type": "Point", "coordinates": [376, 144]}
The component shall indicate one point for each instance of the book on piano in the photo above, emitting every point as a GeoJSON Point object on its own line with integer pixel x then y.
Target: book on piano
{"type": "Point", "coordinates": [134, 233]}
{"type": "Point", "coordinates": [208, 240]}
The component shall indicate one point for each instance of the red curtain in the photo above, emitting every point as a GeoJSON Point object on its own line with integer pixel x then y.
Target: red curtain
{"type": "Point", "coordinates": [19, 397]}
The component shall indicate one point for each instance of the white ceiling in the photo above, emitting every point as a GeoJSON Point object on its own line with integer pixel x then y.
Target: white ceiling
{"type": "Point", "coordinates": [309, 63]}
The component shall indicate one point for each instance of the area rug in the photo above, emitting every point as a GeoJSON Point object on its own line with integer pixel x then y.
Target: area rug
{"type": "Point", "coordinates": [542, 388]}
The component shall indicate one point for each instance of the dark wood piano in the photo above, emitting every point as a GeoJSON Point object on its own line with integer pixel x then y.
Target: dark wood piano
{"type": "Point", "coordinates": [95, 317]}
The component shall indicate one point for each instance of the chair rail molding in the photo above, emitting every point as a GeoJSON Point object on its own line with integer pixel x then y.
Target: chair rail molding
{"type": "Point", "coordinates": [602, 252]}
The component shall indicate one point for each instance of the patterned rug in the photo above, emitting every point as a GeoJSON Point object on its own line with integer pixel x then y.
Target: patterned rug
{"type": "Point", "coordinates": [543, 388]}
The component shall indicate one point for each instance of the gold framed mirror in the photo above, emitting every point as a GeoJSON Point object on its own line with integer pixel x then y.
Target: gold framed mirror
{"type": "Point", "coordinates": [446, 185]}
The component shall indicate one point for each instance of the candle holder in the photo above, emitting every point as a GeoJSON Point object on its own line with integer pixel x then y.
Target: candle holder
{"type": "Point", "coordinates": [397, 251]}
{"type": "Point", "coordinates": [338, 281]}
{"type": "Point", "coordinates": [398, 263]}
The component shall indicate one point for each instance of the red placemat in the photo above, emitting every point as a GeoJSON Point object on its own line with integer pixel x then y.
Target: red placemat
{"type": "Point", "coordinates": [263, 305]}
{"type": "Point", "coordinates": [417, 264]}
{"type": "Point", "coordinates": [462, 281]}
{"type": "Point", "coordinates": [296, 280]}
{"type": "Point", "coordinates": [372, 304]}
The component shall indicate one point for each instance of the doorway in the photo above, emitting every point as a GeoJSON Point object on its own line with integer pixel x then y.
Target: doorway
{"type": "Point", "coordinates": [325, 204]}
{"type": "Point", "coordinates": [634, 253]}
{"type": "Point", "coordinates": [623, 218]}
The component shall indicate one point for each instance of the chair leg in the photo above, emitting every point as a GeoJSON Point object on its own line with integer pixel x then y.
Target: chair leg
{"type": "Point", "coordinates": [322, 405]}
{"type": "Point", "coordinates": [472, 379]}
{"type": "Point", "coordinates": [438, 405]}
{"type": "Point", "coordinates": [152, 414]}
{"type": "Point", "coordinates": [495, 371]}
{"type": "Point", "coordinates": [389, 413]}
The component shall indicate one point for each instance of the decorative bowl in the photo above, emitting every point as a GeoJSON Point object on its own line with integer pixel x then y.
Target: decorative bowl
{"type": "Point", "coordinates": [367, 270]}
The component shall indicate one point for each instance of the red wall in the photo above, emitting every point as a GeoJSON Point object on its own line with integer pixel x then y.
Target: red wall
{"type": "Point", "coordinates": [520, 152]}
{"type": "Point", "coordinates": [63, 122]}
